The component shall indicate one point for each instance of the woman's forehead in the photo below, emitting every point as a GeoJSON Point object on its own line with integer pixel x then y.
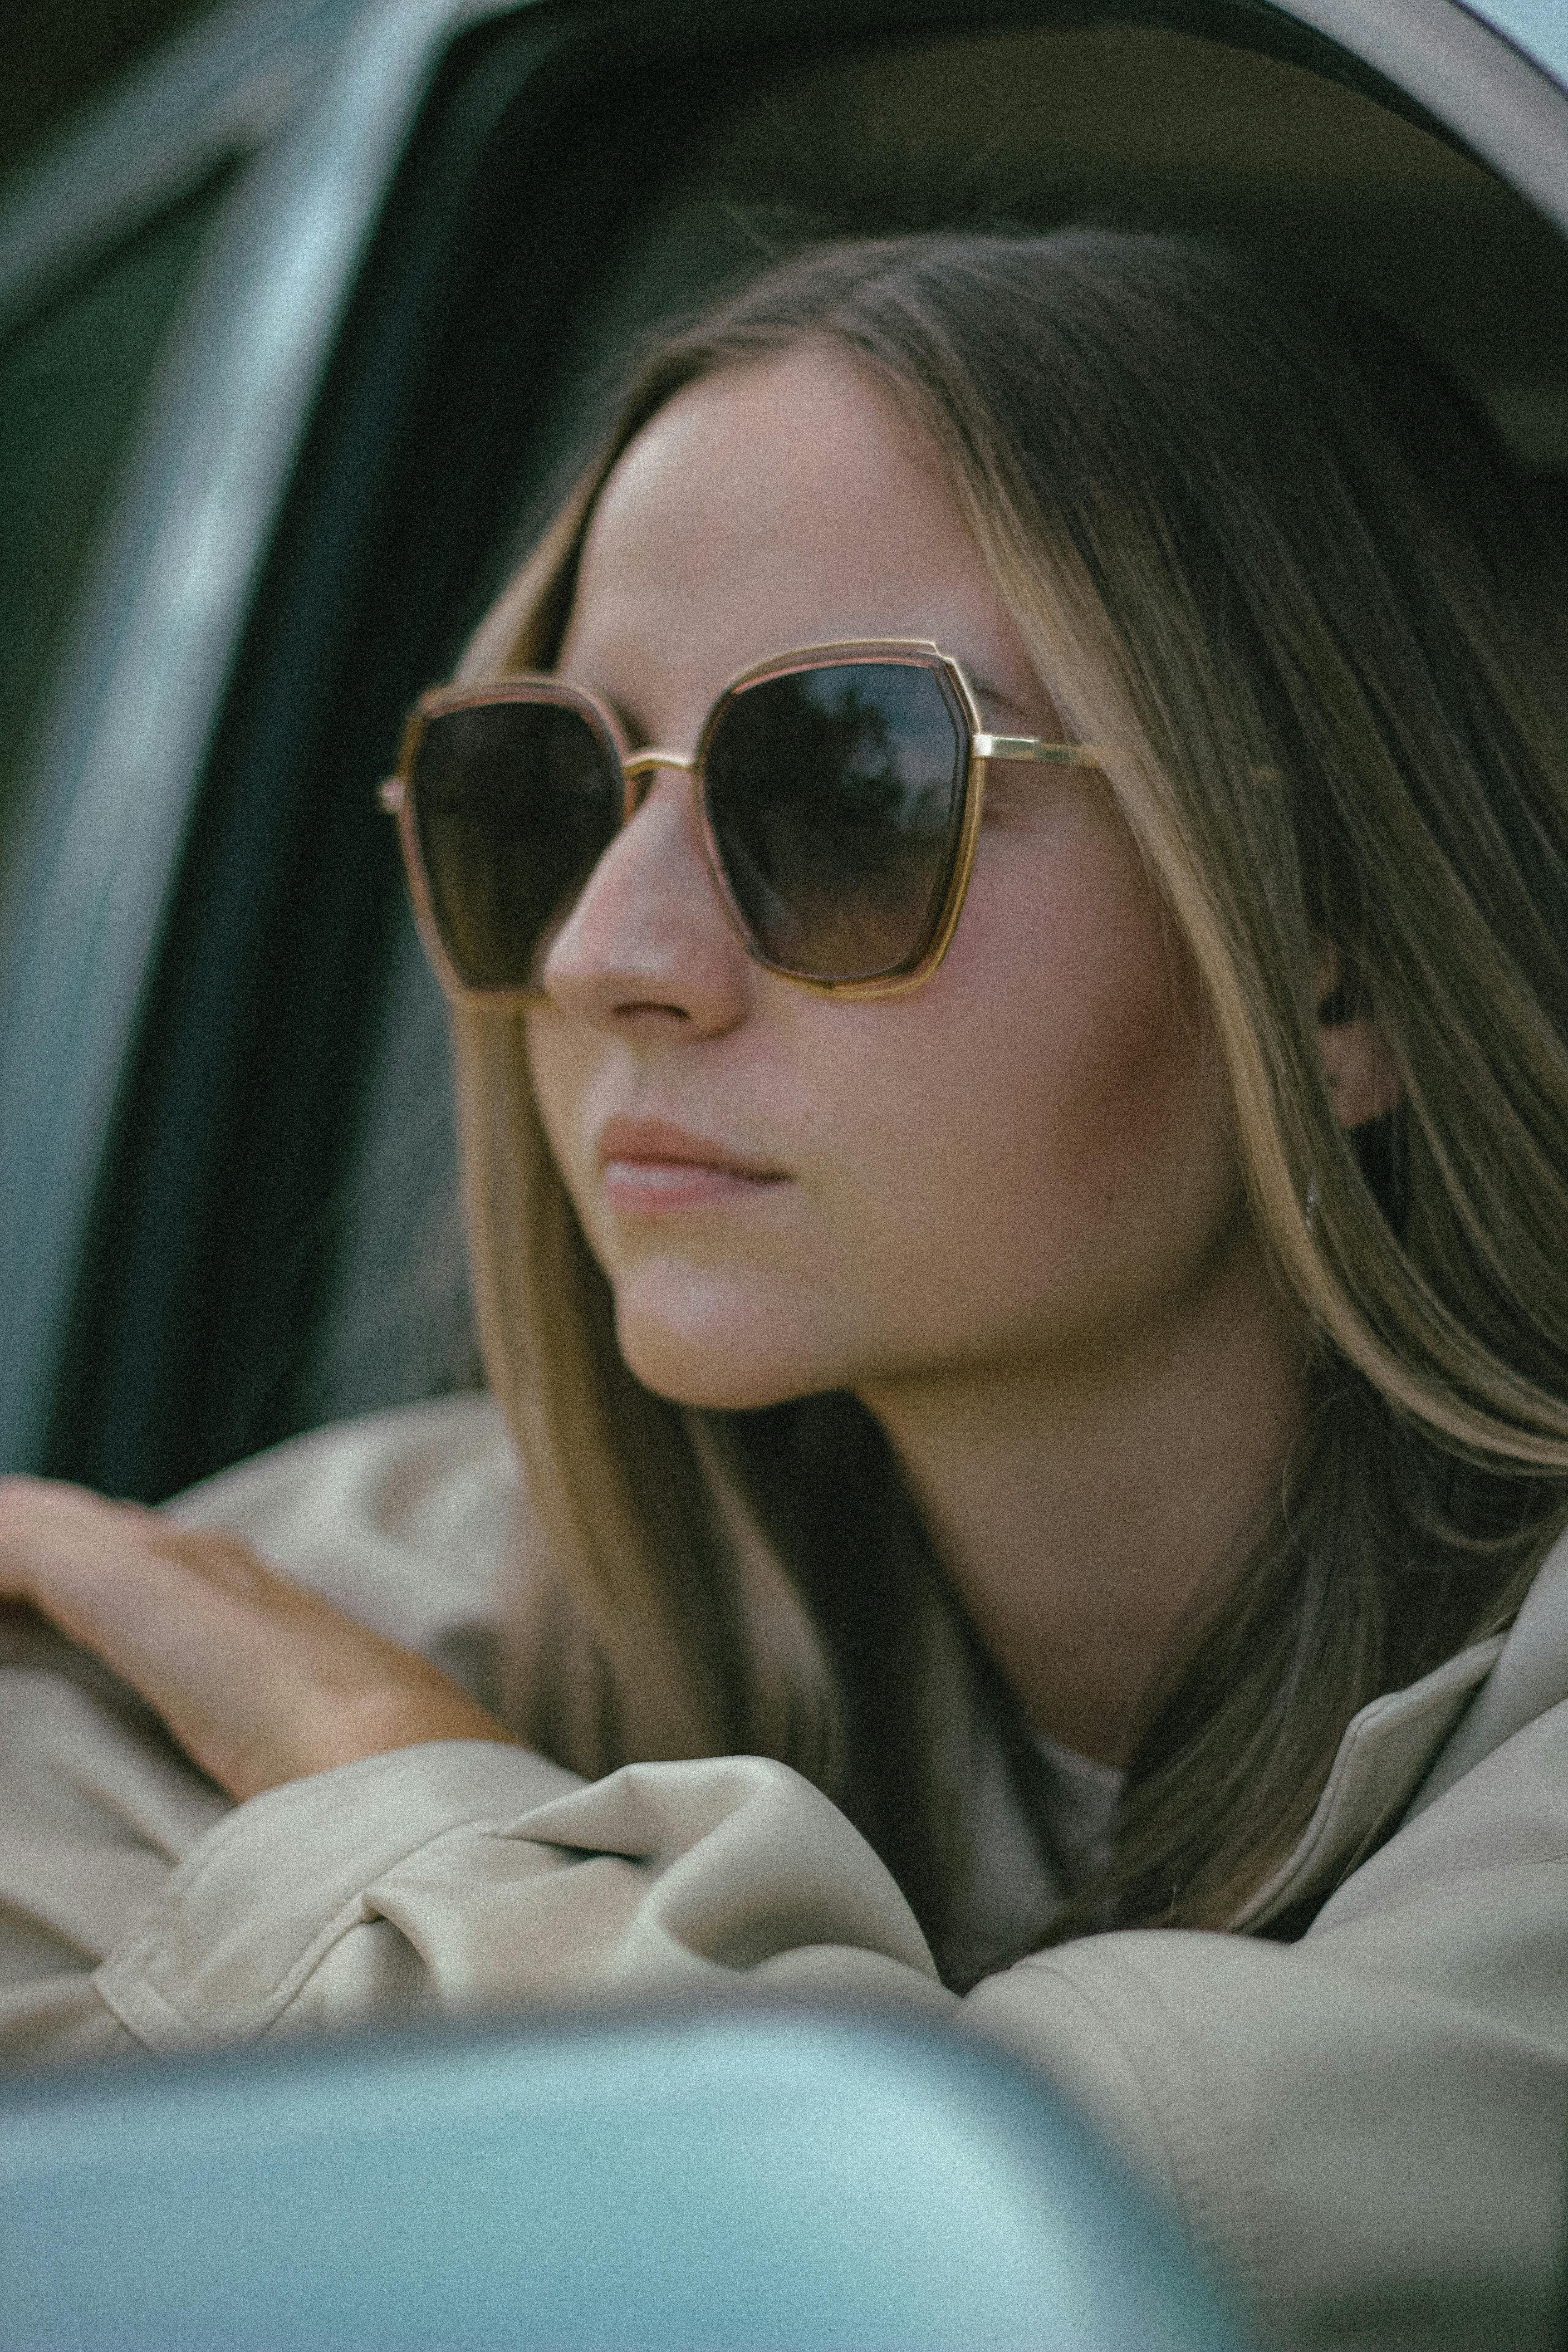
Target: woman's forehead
{"type": "Point", "coordinates": [782, 503]}
{"type": "Point", "coordinates": [805, 447]}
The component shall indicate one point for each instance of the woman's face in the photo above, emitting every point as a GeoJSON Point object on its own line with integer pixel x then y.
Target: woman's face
{"type": "Point", "coordinates": [1024, 1164]}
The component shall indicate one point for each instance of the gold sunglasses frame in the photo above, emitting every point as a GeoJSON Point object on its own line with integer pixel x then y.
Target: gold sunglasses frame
{"type": "Point", "coordinates": [395, 796]}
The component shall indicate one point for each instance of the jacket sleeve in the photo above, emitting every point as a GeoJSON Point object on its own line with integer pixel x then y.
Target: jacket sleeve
{"type": "Point", "coordinates": [138, 1910]}
{"type": "Point", "coordinates": [466, 1875]}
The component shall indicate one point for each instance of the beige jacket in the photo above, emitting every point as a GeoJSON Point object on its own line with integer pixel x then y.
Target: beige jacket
{"type": "Point", "coordinates": [1364, 2131]}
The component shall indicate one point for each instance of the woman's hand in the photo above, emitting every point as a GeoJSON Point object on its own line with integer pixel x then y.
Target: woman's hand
{"type": "Point", "coordinates": [261, 1681]}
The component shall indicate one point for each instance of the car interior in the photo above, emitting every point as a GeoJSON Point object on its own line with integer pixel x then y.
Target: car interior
{"type": "Point", "coordinates": [277, 1237]}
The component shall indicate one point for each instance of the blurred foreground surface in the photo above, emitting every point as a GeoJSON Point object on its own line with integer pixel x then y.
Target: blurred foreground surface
{"type": "Point", "coordinates": [709, 2182]}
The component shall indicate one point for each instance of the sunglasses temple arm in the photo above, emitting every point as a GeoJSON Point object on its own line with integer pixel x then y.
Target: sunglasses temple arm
{"type": "Point", "coordinates": [1030, 746]}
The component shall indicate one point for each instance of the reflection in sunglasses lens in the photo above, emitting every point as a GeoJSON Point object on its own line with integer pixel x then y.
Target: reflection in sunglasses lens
{"type": "Point", "coordinates": [835, 796]}
{"type": "Point", "coordinates": [514, 804]}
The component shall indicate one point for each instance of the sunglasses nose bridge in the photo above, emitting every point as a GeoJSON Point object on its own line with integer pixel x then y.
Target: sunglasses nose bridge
{"type": "Point", "coordinates": [640, 769]}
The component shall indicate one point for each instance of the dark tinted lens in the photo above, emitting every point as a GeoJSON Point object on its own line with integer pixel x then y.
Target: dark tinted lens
{"type": "Point", "coordinates": [514, 803]}
{"type": "Point", "coordinates": [834, 797]}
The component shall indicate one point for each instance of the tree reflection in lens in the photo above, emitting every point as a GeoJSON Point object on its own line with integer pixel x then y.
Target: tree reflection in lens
{"type": "Point", "coordinates": [516, 804]}
{"type": "Point", "coordinates": [834, 796]}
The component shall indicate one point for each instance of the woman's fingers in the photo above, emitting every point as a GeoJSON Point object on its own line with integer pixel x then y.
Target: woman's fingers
{"type": "Point", "coordinates": [260, 1680]}
{"type": "Point", "coordinates": [59, 1546]}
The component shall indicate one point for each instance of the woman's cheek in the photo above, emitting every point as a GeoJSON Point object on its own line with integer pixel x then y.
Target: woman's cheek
{"type": "Point", "coordinates": [1041, 1130]}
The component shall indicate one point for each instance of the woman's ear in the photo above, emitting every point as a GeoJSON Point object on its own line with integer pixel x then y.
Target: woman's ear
{"type": "Point", "coordinates": [1361, 1073]}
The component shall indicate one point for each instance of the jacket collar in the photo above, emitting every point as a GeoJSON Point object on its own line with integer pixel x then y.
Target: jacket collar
{"type": "Point", "coordinates": [1407, 1749]}
{"type": "Point", "coordinates": [1385, 1756]}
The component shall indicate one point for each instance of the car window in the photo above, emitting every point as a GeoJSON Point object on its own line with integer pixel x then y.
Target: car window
{"type": "Point", "coordinates": [73, 379]}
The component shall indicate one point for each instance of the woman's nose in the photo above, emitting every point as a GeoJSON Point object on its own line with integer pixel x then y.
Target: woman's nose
{"type": "Point", "coordinates": [648, 941]}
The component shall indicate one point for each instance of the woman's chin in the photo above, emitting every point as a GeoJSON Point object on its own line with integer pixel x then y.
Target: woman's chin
{"type": "Point", "coordinates": [722, 1370]}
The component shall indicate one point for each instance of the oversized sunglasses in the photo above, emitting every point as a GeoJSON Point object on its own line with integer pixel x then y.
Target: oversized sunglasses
{"type": "Point", "coordinates": [839, 788]}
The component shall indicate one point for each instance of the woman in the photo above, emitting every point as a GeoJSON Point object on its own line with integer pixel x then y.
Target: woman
{"type": "Point", "coordinates": [1015, 1208]}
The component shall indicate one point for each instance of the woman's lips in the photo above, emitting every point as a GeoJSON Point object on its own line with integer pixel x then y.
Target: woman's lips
{"type": "Point", "coordinates": [649, 1169]}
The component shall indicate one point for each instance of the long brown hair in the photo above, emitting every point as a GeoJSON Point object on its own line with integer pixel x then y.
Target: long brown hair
{"type": "Point", "coordinates": [1271, 556]}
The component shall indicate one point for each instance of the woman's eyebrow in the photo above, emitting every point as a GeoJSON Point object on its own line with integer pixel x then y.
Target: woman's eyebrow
{"type": "Point", "coordinates": [993, 698]}
{"type": "Point", "coordinates": [625, 717]}
{"type": "Point", "coordinates": [986, 690]}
